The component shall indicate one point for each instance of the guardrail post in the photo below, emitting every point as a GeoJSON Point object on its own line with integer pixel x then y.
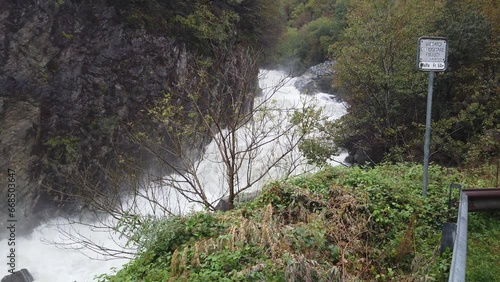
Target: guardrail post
{"type": "Point", "coordinates": [459, 259]}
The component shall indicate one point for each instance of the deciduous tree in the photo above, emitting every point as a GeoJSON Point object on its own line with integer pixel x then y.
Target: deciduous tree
{"type": "Point", "coordinates": [376, 75]}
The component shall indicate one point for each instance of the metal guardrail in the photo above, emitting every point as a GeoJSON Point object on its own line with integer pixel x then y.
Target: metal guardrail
{"type": "Point", "coordinates": [470, 200]}
{"type": "Point", "coordinates": [459, 259]}
{"type": "Point", "coordinates": [483, 199]}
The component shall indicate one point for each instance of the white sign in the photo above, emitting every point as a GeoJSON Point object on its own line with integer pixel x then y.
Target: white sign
{"type": "Point", "coordinates": [432, 54]}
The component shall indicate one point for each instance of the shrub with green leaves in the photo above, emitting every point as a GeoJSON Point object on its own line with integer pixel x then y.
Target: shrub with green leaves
{"type": "Point", "coordinates": [63, 149]}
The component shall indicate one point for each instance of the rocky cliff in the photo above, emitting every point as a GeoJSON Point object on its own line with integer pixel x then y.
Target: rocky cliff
{"type": "Point", "coordinates": [74, 75]}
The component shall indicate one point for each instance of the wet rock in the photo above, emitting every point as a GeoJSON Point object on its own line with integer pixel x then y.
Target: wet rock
{"type": "Point", "coordinates": [223, 204]}
{"type": "Point", "coordinates": [22, 275]}
{"type": "Point", "coordinates": [316, 79]}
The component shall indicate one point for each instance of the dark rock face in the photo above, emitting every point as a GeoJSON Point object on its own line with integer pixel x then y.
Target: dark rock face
{"type": "Point", "coordinates": [72, 76]}
{"type": "Point", "coordinates": [22, 275]}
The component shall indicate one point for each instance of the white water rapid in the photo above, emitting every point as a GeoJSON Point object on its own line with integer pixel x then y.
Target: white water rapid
{"type": "Point", "coordinates": [49, 263]}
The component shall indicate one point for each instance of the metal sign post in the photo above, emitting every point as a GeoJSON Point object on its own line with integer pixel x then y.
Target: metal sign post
{"type": "Point", "coordinates": [427, 143]}
{"type": "Point", "coordinates": [432, 56]}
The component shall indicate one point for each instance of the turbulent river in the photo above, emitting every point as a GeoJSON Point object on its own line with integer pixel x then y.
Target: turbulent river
{"type": "Point", "coordinates": [62, 263]}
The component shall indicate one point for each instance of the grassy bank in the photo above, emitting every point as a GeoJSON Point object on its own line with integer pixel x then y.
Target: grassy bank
{"type": "Point", "coordinates": [483, 247]}
{"type": "Point", "coordinates": [341, 224]}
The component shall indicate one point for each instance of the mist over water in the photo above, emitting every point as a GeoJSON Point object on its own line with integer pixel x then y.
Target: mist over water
{"type": "Point", "coordinates": [47, 262]}
{"type": "Point", "coordinates": [51, 263]}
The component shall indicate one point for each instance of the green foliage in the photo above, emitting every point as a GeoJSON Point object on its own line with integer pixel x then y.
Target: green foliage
{"type": "Point", "coordinates": [483, 247]}
{"type": "Point", "coordinates": [261, 25]}
{"type": "Point", "coordinates": [59, 3]}
{"type": "Point", "coordinates": [302, 12]}
{"type": "Point", "coordinates": [376, 76]}
{"type": "Point", "coordinates": [317, 146]}
{"type": "Point", "coordinates": [67, 35]}
{"type": "Point", "coordinates": [312, 27]}
{"type": "Point", "coordinates": [105, 125]}
{"type": "Point", "coordinates": [466, 100]}
{"type": "Point", "coordinates": [165, 236]}
{"type": "Point", "coordinates": [314, 39]}
{"type": "Point", "coordinates": [63, 149]}
{"type": "Point", "coordinates": [395, 194]}
{"type": "Point", "coordinates": [405, 225]}
{"type": "Point", "coordinates": [318, 184]}
{"type": "Point", "coordinates": [336, 225]}
{"type": "Point", "coordinates": [157, 240]}
{"type": "Point", "coordinates": [204, 25]}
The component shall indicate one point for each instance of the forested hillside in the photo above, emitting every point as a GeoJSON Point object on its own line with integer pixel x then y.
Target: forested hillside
{"type": "Point", "coordinates": [374, 45]}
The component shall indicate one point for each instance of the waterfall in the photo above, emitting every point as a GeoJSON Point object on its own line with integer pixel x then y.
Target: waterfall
{"type": "Point", "coordinates": [48, 262]}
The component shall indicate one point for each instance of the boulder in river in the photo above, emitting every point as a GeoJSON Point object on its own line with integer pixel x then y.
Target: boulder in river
{"type": "Point", "coordinates": [316, 79]}
{"type": "Point", "coordinates": [22, 275]}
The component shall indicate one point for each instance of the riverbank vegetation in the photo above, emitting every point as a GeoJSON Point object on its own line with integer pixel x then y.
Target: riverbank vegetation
{"type": "Point", "coordinates": [340, 224]}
